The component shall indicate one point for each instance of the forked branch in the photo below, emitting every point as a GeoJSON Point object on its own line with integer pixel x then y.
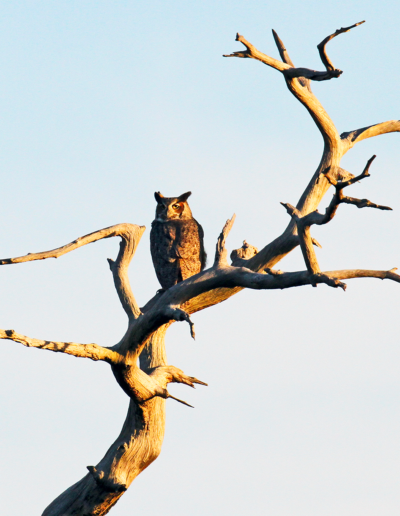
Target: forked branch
{"type": "Point", "coordinates": [253, 53]}
{"type": "Point", "coordinates": [304, 223]}
{"type": "Point", "coordinates": [331, 71]}
{"type": "Point", "coordinates": [171, 374]}
{"type": "Point", "coordinates": [130, 235]}
{"type": "Point", "coordinates": [340, 198]}
{"type": "Point", "coordinates": [287, 67]}
{"type": "Point", "coordinates": [334, 149]}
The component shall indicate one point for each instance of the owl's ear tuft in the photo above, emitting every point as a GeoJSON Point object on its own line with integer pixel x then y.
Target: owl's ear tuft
{"type": "Point", "coordinates": [184, 197]}
{"type": "Point", "coordinates": [158, 196]}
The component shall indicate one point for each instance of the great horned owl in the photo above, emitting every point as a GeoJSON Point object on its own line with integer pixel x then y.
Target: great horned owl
{"type": "Point", "coordinates": [176, 241]}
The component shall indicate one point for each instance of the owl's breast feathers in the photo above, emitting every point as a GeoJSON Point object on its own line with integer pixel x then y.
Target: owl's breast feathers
{"type": "Point", "coordinates": [177, 250]}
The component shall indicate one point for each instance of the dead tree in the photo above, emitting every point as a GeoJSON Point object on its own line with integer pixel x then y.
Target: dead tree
{"type": "Point", "coordinates": [139, 442]}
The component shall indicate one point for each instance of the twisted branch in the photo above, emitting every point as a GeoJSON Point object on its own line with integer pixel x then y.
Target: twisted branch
{"type": "Point", "coordinates": [322, 51]}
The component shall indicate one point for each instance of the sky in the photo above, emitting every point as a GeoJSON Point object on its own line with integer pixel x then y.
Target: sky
{"type": "Point", "coordinates": [102, 103]}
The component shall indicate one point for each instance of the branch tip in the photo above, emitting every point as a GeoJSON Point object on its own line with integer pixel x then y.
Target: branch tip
{"type": "Point", "coordinates": [180, 401]}
{"type": "Point", "coordinates": [328, 280]}
{"type": "Point", "coordinates": [316, 243]}
{"type": "Point", "coordinates": [282, 49]}
{"type": "Point", "coordinates": [220, 250]}
{"type": "Point", "coordinates": [292, 211]}
{"type": "Point", "coordinates": [110, 263]}
{"type": "Point", "coordinates": [199, 382]}
{"type": "Point", "coordinates": [187, 318]}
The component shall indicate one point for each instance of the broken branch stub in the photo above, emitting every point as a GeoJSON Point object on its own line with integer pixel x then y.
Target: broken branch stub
{"type": "Point", "coordinates": [220, 252]}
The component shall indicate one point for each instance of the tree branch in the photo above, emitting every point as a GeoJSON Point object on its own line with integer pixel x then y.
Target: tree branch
{"type": "Point", "coordinates": [350, 138]}
{"type": "Point", "coordinates": [335, 148]}
{"type": "Point", "coordinates": [282, 49]}
{"type": "Point", "coordinates": [365, 273]}
{"type": "Point", "coordinates": [286, 59]}
{"type": "Point", "coordinates": [171, 374]}
{"type": "Point", "coordinates": [339, 198]}
{"type": "Point", "coordinates": [221, 253]}
{"type": "Point", "coordinates": [136, 447]}
{"type": "Point", "coordinates": [253, 53]}
{"type": "Point", "coordinates": [311, 75]}
{"type": "Point", "coordinates": [225, 276]}
{"type": "Point", "coordinates": [112, 231]}
{"type": "Point", "coordinates": [287, 67]}
{"type": "Point", "coordinates": [140, 440]}
{"type": "Point", "coordinates": [306, 243]}
{"type": "Point", "coordinates": [273, 280]}
{"type": "Point", "coordinates": [282, 280]}
{"type": "Point", "coordinates": [130, 238]}
{"type": "Point", "coordinates": [296, 86]}
{"type": "Point", "coordinates": [303, 223]}
{"type": "Point", "coordinates": [92, 351]}
{"type": "Point", "coordinates": [130, 234]}
{"type": "Point", "coordinates": [322, 51]}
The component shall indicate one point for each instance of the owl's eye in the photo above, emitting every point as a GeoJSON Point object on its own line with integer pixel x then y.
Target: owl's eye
{"type": "Point", "coordinates": [176, 206]}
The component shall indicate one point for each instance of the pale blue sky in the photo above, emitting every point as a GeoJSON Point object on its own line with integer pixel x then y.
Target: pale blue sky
{"type": "Point", "coordinates": [102, 103]}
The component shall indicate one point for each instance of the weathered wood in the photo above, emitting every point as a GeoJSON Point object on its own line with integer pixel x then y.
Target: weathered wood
{"type": "Point", "coordinates": [146, 382]}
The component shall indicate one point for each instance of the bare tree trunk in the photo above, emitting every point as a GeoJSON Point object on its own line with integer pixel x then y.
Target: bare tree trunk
{"type": "Point", "coordinates": [141, 437]}
{"type": "Point", "coordinates": [138, 444]}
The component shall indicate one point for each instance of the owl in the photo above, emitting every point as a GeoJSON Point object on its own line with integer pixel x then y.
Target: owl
{"type": "Point", "coordinates": [176, 241]}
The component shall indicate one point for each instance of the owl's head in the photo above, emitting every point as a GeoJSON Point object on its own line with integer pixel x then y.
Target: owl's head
{"type": "Point", "coordinates": [169, 208]}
